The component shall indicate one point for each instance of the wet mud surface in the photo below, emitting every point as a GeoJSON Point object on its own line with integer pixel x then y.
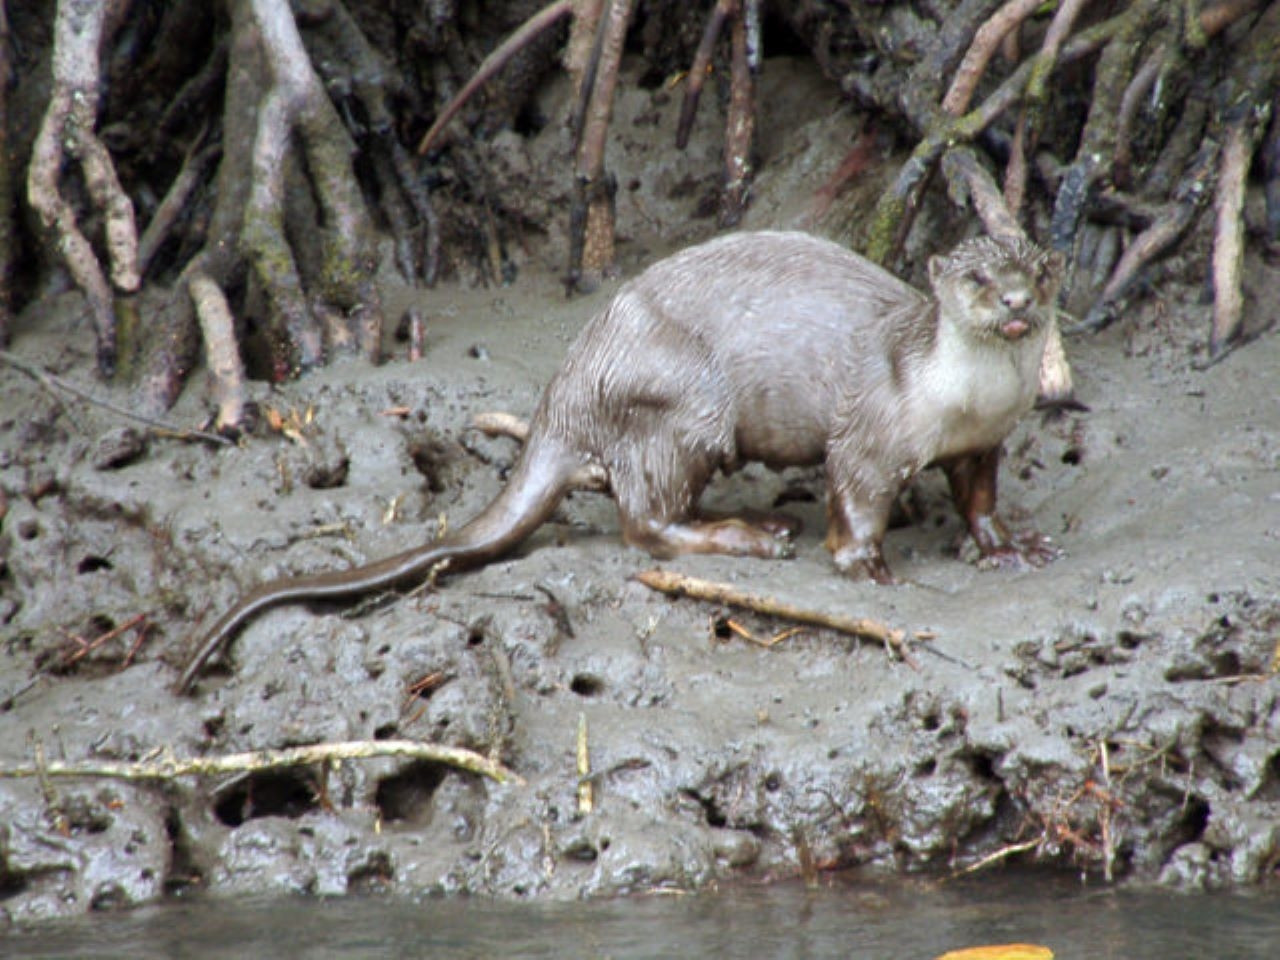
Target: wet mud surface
{"type": "Point", "coordinates": [1114, 711]}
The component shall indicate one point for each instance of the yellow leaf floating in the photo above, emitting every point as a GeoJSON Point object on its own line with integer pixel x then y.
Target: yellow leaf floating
{"type": "Point", "coordinates": [1003, 951]}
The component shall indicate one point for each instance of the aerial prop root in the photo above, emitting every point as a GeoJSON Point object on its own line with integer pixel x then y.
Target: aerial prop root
{"type": "Point", "coordinates": [67, 130]}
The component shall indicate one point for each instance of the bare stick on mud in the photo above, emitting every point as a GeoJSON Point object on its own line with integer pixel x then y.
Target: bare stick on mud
{"type": "Point", "coordinates": [678, 584]}
{"type": "Point", "coordinates": [168, 767]}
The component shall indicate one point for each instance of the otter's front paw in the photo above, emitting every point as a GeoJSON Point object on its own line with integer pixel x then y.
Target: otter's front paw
{"type": "Point", "coordinates": [863, 563]}
{"type": "Point", "coordinates": [1025, 550]}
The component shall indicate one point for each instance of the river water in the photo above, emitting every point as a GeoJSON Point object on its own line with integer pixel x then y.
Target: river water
{"type": "Point", "coordinates": [903, 921]}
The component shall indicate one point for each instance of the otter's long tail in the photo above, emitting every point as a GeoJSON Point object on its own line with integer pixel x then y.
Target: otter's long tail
{"type": "Point", "coordinates": [538, 483]}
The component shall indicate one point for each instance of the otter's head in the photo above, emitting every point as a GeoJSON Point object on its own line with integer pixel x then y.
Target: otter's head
{"type": "Point", "coordinates": [1003, 289]}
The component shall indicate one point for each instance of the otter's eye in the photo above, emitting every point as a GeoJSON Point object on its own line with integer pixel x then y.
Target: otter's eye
{"type": "Point", "coordinates": [977, 276]}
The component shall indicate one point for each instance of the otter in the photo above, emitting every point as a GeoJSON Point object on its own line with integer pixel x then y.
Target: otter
{"type": "Point", "coordinates": [777, 347]}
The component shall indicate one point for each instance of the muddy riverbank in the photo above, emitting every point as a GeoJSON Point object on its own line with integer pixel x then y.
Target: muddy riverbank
{"type": "Point", "coordinates": [1116, 711]}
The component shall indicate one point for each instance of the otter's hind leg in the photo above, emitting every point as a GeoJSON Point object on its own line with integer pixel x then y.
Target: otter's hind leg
{"type": "Point", "coordinates": [657, 488]}
{"type": "Point", "coordinates": [860, 496]}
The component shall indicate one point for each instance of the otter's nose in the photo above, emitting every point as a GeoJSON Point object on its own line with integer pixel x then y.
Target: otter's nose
{"type": "Point", "coordinates": [1016, 300]}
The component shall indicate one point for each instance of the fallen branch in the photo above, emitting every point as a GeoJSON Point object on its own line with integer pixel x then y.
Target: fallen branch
{"type": "Point", "coordinates": [678, 584]}
{"type": "Point", "coordinates": [166, 766]}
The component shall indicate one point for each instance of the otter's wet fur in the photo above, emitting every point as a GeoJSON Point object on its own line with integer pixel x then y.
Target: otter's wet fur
{"type": "Point", "coordinates": [779, 347]}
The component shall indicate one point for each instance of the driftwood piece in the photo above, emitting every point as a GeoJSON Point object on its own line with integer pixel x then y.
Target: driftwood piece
{"type": "Point", "coordinates": [678, 584]}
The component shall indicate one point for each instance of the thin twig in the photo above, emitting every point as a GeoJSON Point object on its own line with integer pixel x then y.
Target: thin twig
{"type": "Point", "coordinates": [53, 384]}
{"type": "Point", "coordinates": [998, 855]}
{"type": "Point", "coordinates": [586, 791]}
{"type": "Point", "coordinates": [167, 766]}
{"type": "Point", "coordinates": [679, 584]}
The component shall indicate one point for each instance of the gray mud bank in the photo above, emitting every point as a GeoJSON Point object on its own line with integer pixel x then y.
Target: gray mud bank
{"type": "Point", "coordinates": [1115, 712]}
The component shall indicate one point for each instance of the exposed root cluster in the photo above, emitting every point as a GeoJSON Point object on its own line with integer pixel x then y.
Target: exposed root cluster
{"type": "Point", "coordinates": [264, 144]}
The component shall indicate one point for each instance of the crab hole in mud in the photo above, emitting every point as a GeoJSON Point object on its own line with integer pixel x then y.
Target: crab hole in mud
{"type": "Point", "coordinates": [406, 796]}
{"type": "Point", "coordinates": [12, 883]}
{"type": "Point", "coordinates": [982, 766]}
{"type": "Point", "coordinates": [584, 851]}
{"type": "Point", "coordinates": [284, 793]}
{"type": "Point", "coordinates": [926, 767]}
{"type": "Point", "coordinates": [1195, 819]}
{"type": "Point", "coordinates": [586, 685]}
{"type": "Point", "coordinates": [375, 875]}
{"type": "Point", "coordinates": [91, 563]}
{"type": "Point", "coordinates": [710, 809]}
{"type": "Point", "coordinates": [431, 456]}
{"type": "Point", "coordinates": [327, 474]}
